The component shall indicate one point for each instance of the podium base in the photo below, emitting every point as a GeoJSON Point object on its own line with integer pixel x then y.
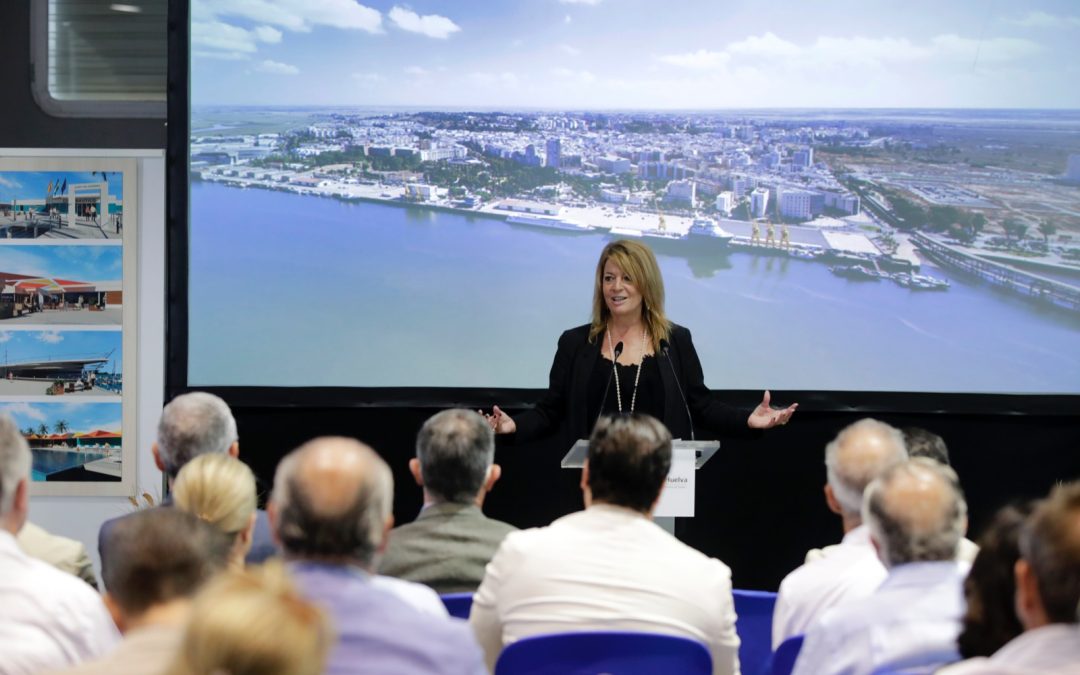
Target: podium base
{"type": "Point", "coordinates": [667, 523]}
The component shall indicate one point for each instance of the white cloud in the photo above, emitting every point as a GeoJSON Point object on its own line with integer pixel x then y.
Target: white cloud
{"type": "Point", "coordinates": [220, 56]}
{"type": "Point", "coordinates": [294, 15]}
{"type": "Point", "coordinates": [506, 79]}
{"type": "Point", "coordinates": [431, 25]}
{"type": "Point", "coordinates": [367, 77]}
{"type": "Point", "coordinates": [579, 76]}
{"type": "Point", "coordinates": [517, 43]}
{"type": "Point", "coordinates": [7, 182]}
{"type": "Point", "coordinates": [568, 19]}
{"type": "Point", "coordinates": [416, 71]}
{"type": "Point", "coordinates": [268, 34]}
{"type": "Point", "coordinates": [224, 38]}
{"type": "Point", "coordinates": [51, 337]}
{"type": "Point", "coordinates": [580, 2]}
{"type": "Point", "coordinates": [570, 50]}
{"type": "Point", "coordinates": [767, 45]}
{"type": "Point", "coordinates": [702, 59]}
{"type": "Point", "coordinates": [6, 336]}
{"type": "Point", "coordinates": [24, 410]}
{"type": "Point", "coordinates": [1040, 19]}
{"type": "Point", "coordinates": [994, 50]}
{"type": "Point", "coordinates": [277, 68]}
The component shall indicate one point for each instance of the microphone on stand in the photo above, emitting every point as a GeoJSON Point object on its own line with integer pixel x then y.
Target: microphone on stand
{"type": "Point", "coordinates": [607, 387]}
{"type": "Point", "coordinates": [665, 350]}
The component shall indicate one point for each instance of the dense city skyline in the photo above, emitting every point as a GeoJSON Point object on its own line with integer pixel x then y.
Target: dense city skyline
{"type": "Point", "coordinates": [632, 54]}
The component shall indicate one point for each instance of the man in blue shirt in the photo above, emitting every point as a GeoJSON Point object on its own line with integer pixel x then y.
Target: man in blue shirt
{"type": "Point", "coordinates": [331, 513]}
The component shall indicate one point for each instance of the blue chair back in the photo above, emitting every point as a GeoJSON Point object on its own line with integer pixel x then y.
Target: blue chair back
{"type": "Point", "coordinates": [782, 661]}
{"type": "Point", "coordinates": [754, 610]}
{"type": "Point", "coordinates": [616, 653]}
{"type": "Point", "coordinates": [458, 604]}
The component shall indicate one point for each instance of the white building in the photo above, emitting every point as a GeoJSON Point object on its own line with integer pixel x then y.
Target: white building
{"type": "Point", "coordinates": [741, 185]}
{"type": "Point", "coordinates": [612, 164]}
{"type": "Point", "coordinates": [682, 191]}
{"type": "Point", "coordinates": [803, 158]}
{"type": "Point", "coordinates": [759, 203]}
{"type": "Point", "coordinates": [796, 204]}
{"type": "Point", "coordinates": [725, 202]}
{"type": "Point", "coordinates": [848, 203]}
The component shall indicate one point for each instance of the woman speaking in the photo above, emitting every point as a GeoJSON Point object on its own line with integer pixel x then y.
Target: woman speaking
{"type": "Point", "coordinates": [630, 358]}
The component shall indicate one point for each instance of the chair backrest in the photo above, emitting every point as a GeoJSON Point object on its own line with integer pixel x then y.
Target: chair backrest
{"type": "Point", "coordinates": [458, 604]}
{"type": "Point", "coordinates": [617, 653]}
{"type": "Point", "coordinates": [782, 661]}
{"type": "Point", "coordinates": [754, 611]}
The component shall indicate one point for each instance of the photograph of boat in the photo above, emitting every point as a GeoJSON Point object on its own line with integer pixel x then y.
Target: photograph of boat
{"type": "Point", "coordinates": [57, 363]}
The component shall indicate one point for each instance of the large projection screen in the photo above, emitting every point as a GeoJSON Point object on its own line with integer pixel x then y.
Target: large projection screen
{"type": "Point", "coordinates": [878, 199]}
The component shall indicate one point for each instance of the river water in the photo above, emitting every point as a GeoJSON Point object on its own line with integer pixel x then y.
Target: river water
{"type": "Point", "coordinates": [290, 289]}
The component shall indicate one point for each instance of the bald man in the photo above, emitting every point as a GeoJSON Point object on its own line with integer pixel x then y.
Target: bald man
{"type": "Point", "coordinates": [851, 570]}
{"type": "Point", "coordinates": [916, 515]}
{"type": "Point", "coordinates": [331, 514]}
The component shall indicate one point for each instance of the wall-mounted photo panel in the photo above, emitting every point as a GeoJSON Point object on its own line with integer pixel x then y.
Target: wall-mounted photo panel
{"type": "Point", "coordinates": [68, 231]}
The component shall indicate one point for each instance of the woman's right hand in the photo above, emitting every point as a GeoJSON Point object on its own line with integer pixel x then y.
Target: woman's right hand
{"type": "Point", "coordinates": [500, 422]}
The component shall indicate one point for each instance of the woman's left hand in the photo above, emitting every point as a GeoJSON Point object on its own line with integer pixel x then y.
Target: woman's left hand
{"type": "Point", "coordinates": [767, 417]}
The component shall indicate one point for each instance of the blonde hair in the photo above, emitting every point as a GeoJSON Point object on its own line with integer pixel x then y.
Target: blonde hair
{"type": "Point", "coordinates": [253, 622]}
{"type": "Point", "coordinates": [219, 489]}
{"type": "Point", "coordinates": [637, 261]}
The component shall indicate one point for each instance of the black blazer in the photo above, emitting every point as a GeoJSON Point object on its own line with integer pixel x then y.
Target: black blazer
{"type": "Point", "coordinates": [564, 407]}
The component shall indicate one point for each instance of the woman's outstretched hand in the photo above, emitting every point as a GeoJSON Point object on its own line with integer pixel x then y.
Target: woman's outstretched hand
{"type": "Point", "coordinates": [500, 422]}
{"type": "Point", "coordinates": [767, 417]}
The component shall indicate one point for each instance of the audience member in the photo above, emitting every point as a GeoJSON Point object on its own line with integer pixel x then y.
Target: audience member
{"type": "Point", "coordinates": [1047, 594]}
{"type": "Point", "coordinates": [331, 512]}
{"type": "Point", "coordinates": [191, 425]}
{"type": "Point", "coordinates": [916, 514]}
{"type": "Point", "coordinates": [220, 490]}
{"type": "Point", "coordinates": [609, 567]}
{"type": "Point", "coordinates": [925, 443]}
{"type": "Point", "coordinates": [66, 555]}
{"type": "Point", "coordinates": [48, 619]}
{"type": "Point", "coordinates": [851, 570]}
{"type": "Point", "coordinates": [451, 541]}
{"type": "Point", "coordinates": [990, 588]}
{"type": "Point", "coordinates": [253, 622]}
{"type": "Point", "coordinates": [161, 557]}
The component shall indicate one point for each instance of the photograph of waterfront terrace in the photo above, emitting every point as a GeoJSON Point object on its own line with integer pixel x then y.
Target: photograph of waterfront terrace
{"type": "Point", "coordinates": [57, 294]}
{"type": "Point", "coordinates": [68, 363]}
{"type": "Point", "coordinates": [818, 190]}
{"type": "Point", "coordinates": [61, 205]}
{"type": "Point", "coordinates": [71, 441]}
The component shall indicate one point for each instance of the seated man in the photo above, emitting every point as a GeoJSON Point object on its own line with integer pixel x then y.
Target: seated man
{"type": "Point", "coordinates": [1047, 594]}
{"type": "Point", "coordinates": [62, 553]}
{"type": "Point", "coordinates": [48, 618]}
{"type": "Point", "coordinates": [609, 567]}
{"type": "Point", "coordinates": [916, 514]}
{"type": "Point", "coordinates": [331, 513]}
{"type": "Point", "coordinates": [851, 570]}
{"type": "Point", "coordinates": [925, 443]}
{"type": "Point", "coordinates": [161, 557]}
{"type": "Point", "coordinates": [194, 424]}
{"type": "Point", "coordinates": [451, 541]}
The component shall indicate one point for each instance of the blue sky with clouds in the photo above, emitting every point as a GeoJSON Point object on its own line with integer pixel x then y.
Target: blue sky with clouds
{"type": "Point", "coordinates": [75, 263]}
{"type": "Point", "coordinates": [17, 346]}
{"type": "Point", "coordinates": [637, 53]}
{"type": "Point", "coordinates": [80, 417]}
{"type": "Point", "coordinates": [35, 184]}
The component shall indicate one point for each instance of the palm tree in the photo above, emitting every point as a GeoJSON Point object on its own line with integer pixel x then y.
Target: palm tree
{"type": "Point", "coordinates": [28, 431]}
{"type": "Point", "coordinates": [61, 426]}
{"type": "Point", "coordinates": [43, 430]}
{"type": "Point", "coordinates": [1047, 229]}
{"type": "Point", "coordinates": [1014, 228]}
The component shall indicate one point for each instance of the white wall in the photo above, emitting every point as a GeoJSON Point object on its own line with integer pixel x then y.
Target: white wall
{"type": "Point", "coordinates": [80, 517]}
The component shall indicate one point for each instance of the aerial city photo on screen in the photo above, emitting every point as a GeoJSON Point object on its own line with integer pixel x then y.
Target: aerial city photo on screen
{"type": "Point", "coordinates": [885, 200]}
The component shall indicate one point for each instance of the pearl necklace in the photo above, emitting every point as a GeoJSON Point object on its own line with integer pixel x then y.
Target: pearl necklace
{"type": "Point", "coordinates": [637, 375]}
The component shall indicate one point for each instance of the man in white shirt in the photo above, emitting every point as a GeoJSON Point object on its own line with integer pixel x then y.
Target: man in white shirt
{"type": "Point", "coordinates": [609, 567]}
{"type": "Point", "coordinates": [916, 514]}
{"type": "Point", "coordinates": [1047, 594]}
{"type": "Point", "coordinates": [48, 619]}
{"type": "Point", "coordinates": [851, 570]}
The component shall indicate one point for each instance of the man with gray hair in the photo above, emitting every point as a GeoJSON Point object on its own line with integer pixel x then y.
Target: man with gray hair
{"type": "Point", "coordinates": [331, 511]}
{"type": "Point", "coordinates": [1047, 594]}
{"type": "Point", "coordinates": [194, 424]}
{"type": "Point", "coordinates": [916, 514]}
{"type": "Point", "coordinates": [48, 619]}
{"type": "Point", "coordinates": [450, 543]}
{"type": "Point", "coordinates": [850, 570]}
